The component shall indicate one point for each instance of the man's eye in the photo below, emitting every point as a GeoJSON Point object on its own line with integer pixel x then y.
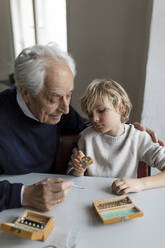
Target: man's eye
{"type": "Point", "coordinates": [53, 99]}
{"type": "Point", "coordinates": [69, 96]}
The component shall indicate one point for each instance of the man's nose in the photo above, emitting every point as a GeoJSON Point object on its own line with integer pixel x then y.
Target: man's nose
{"type": "Point", "coordinates": [64, 105]}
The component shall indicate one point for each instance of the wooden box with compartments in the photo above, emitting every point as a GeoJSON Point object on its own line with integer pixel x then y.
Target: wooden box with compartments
{"type": "Point", "coordinates": [117, 209]}
{"type": "Point", "coordinates": [31, 225]}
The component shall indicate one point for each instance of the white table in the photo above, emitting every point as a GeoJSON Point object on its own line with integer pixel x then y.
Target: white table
{"type": "Point", "coordinates": [76, 214]}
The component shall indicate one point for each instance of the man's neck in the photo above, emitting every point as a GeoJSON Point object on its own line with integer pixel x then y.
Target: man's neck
{"type": "Point", "coordinates": [23, 106]}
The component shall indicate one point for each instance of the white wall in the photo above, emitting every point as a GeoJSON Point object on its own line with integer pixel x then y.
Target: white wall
{"type": "Point", "coordinates": [109, 39]}
{"type": "Point", "coordinates": [6, 41]}
{"type": "Point", "coordinates": [154, 102]}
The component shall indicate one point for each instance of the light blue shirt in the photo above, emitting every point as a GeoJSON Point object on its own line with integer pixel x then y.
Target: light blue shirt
{"type": "Point", "coordinates": [24, 107]}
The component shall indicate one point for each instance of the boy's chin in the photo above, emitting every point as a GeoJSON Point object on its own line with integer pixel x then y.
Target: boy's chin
{"type": "Point", "coordinates": [99, 130]}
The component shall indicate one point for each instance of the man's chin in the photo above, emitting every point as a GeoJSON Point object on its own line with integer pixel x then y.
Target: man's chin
{"type": "Point", "coordinates": [53, 119]}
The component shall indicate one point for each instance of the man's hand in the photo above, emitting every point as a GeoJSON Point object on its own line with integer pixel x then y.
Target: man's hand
{"type": "Point", "coordinates": [127, 185]}
{"type": "Point", "coordinates": [46, 194]}
{"type": "Point", "coordinates": [150, 132]}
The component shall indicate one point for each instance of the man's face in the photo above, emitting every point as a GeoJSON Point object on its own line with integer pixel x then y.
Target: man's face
{"type": "Point", "coordinates": [53, 100]}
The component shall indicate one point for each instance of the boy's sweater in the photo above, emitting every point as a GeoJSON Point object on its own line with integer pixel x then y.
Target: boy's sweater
{"type": "Point", "coordinates": [119, 156]}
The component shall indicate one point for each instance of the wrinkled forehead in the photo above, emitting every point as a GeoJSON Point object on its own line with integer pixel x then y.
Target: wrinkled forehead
{"type": "Point", "coordinates": [58, 78]}
{"type": "Point", "coordinates": [57, 69]}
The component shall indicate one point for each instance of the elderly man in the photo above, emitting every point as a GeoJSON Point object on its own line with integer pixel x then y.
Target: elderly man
{"type": "Point", "coordinates": [31, 123]}
{"type": "Point", "coordinates": [32, 117]}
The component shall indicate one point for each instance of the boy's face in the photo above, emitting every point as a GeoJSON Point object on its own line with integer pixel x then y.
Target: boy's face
{"type": "Point", "coordinates": [106, 119]}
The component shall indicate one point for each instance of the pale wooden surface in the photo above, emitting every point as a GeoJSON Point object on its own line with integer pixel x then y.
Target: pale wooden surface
{"type": "Point", "coordinates": [76, 214]}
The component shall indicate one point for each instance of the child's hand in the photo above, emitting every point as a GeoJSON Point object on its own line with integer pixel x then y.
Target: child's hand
{"type": "Point", "coordinates": [126, 185]}
{"type": "Point", "coordinates": [76, 162]}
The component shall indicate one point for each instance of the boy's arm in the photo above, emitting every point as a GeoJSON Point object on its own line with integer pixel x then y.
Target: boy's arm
{"type": "Point", "coordinates": [75, 167]}
{"type": "Point", "coordinates": [79, 163]}
{"type": "Point", "coordinates": [127, 185]}
{"type": "Point", "coordinates": [72, 165]}
{"type": "Point", "coordinates": [155, 181]}
{"type": "Point", "coordinates": [154, 155]}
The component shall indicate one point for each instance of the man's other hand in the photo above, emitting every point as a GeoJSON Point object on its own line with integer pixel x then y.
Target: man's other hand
{"type": "Point", "coordinates": [150, 132]}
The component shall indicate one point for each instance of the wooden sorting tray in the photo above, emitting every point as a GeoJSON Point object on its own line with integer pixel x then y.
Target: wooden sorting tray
{"type": "Point", "coordinates": [31, 225]}
{"type": "Point", "coordinates": [116, 209]}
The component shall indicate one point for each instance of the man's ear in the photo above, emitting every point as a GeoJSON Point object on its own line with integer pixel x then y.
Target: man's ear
{"type": "Point", "coordinates": [24, 93]}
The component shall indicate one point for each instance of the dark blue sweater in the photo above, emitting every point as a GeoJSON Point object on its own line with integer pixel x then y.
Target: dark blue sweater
{"type": "Point", "coordinates": [27, 145]}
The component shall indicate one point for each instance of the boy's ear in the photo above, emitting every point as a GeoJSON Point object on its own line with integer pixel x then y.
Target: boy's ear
{"type": "Point", "coordinates": [121, 108]}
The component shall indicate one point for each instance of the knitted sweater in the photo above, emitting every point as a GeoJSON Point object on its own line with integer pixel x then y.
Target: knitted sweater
{"type": "Point", "coordinates": [119, 156]}
{"type": "Point", "coordinates": [26, 145]}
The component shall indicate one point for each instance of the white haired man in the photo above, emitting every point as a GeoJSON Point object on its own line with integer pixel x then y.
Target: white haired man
{"type": "Point", "coordinates": [33, 115]}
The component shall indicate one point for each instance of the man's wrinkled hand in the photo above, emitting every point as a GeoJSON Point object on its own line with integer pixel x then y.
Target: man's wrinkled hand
{"type": "Point", "coordinates": [46, 194]}
{"type": "Point", "coordinates": [150, 132]}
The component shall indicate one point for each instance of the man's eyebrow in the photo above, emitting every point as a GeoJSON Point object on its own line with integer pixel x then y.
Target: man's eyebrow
{"type": "Point", "coordinates": [52, 93]}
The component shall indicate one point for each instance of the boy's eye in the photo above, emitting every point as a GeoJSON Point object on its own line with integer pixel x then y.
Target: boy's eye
{"type": "Point", "coordinates": [101, 110]}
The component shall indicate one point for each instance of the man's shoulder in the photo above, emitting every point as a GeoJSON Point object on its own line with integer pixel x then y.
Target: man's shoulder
{"type": "Point", "coordinates": [5, 96]}
{"type": "Point", "coordinates": [7, 92]}
{"type": "Point", "coordinates": [7, 106]}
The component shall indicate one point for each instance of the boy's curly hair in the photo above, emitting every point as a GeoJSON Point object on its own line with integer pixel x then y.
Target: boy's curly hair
{"type": "Point", "coordinates": [103, 89]}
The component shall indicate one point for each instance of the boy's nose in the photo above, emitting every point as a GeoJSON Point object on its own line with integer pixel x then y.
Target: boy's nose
{"type": "Point", "coordinates": [95, 118]}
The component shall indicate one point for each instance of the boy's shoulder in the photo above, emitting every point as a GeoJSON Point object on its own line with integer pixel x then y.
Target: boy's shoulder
{"type": "Point", "coordinates": [129, 128]}
{"type": "Point", "coordinates": [88, 131]}
{"type": "Point", "coordinates": [132, 131]}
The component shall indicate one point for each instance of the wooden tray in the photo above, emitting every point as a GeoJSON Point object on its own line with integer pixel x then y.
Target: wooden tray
{"type": "Point", "coordinates": [31, 225]}
{"type": "Point", "coordinates": [116, 209]}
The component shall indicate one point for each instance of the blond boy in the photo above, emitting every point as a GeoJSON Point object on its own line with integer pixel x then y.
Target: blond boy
{"type": "Point", "coordinates": [115, 147]}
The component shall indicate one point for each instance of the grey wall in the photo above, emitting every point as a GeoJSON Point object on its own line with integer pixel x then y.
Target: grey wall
{"type": "Point", "coordinates": [109, 39]}
{"type": "Point", "coordinates": [154, 101]}
{"type": "Point", "coordinates": [6, 41]}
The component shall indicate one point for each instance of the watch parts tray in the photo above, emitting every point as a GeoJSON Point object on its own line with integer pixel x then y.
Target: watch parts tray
{"type": "Point", "coordinates": [31, 225]}
{"type": "Point", "coordinates": [117, 209]}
